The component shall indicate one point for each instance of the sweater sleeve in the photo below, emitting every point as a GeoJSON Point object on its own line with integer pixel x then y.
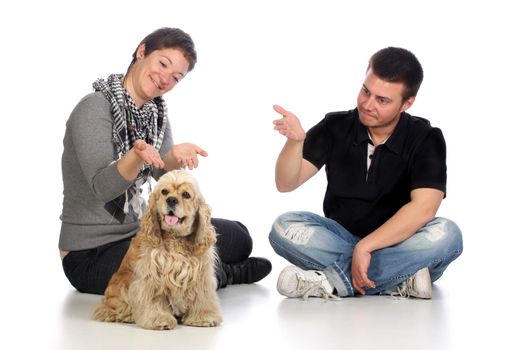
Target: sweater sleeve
{"type": "Point", "coordinates": [91, 126]}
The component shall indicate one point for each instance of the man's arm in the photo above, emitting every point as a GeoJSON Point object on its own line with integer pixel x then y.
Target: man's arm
{"type": "Point", "coordinates": [422, 208]}
{"type": "Point", "coordinates": [291, 170]}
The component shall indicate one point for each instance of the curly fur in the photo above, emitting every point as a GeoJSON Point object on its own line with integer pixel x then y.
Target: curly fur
{"type": "Point", "coordinates": [167, 276]}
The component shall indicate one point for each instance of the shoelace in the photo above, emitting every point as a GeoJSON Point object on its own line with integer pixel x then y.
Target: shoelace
{"type": "Point", "coordinates": [403, 289]}
{"type": "Point", "coordinates": [402, 292]}
{"type": "Point", "coordinates": [307, 287]}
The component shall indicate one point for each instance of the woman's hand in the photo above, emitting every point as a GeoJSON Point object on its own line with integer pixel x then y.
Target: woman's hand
{"type": "Point", "coordinates": [130, 164]}
{"type": "Point", "coordinates": [148, 154]}
{"type": "Point", "coordinates": [184, 155]}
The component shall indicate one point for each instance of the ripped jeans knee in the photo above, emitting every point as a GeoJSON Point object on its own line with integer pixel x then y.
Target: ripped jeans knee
{"type": "Point", "coordinates": [308, 239]}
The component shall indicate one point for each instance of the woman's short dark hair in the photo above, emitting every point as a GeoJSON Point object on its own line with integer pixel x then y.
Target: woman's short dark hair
{"type": "Point", "coordinates": [397, 65]}
{"type": "Point", "coordinates": [168, 38]}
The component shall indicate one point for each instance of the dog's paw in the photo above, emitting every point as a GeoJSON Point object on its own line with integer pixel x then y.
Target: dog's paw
{"type": "Point", "coordinates": [102, 312]}
{"type": "Point", "coordinates": [210, 320]}
{"type": "Point", "coordinates": [161, 322]}
{"type": "Point", "coordinates": [112, 310]}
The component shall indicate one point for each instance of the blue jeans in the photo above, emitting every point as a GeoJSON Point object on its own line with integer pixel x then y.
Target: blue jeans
{"type": "Point", "coordinates": [313, 242]}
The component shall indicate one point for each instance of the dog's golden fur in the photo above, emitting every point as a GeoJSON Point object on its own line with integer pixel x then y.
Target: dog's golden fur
{"type": "Point", "coordinates": [167, 276]}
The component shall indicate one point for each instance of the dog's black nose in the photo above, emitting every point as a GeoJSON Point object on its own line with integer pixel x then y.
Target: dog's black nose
{"type": "Point", "coordinates": [172, 201]}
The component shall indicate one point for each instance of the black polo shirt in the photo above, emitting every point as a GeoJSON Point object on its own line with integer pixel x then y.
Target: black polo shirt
{"type": "Point", "coordinates": [414, 156]}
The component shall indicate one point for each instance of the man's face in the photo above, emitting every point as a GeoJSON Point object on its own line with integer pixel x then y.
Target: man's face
{"type": "Point", "coordinates": [380, 103]}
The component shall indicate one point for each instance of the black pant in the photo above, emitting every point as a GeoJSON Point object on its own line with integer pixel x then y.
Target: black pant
{"type": "Point", "coordinates": [89, 270]}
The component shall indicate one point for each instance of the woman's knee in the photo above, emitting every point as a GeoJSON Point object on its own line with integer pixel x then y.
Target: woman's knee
{"type": "Point", "coordinates": [234, 243]}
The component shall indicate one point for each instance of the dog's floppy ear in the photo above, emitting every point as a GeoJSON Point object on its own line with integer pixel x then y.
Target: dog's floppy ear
{"type": "Point", "coordinates": [149, 223]}
{"type": "Point", "coordinates": [205, 235]}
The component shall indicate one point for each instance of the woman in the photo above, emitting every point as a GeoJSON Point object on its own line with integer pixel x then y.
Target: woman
{"type": "Point", "coordinates": [116, 139]}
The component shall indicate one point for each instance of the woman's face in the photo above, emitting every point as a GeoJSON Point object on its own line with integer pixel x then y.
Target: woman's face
{"type": "Point", "coordinates": [153, 75]}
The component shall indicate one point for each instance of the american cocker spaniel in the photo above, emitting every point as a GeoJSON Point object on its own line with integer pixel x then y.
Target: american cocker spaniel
{"type": "Point", "coordinates": [168, 274]}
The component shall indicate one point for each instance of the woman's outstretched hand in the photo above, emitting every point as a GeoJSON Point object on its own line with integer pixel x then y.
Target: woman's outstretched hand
{"type": "Point", "coordinates": [185, 156]}
{"type": "Point", "coordinates": [148, 154]}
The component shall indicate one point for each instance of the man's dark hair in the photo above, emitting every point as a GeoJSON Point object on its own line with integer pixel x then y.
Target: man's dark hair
{"type": "Point", "coordinates": [397, 65]}
{"type": "Point", "coordinates": [168, 38]}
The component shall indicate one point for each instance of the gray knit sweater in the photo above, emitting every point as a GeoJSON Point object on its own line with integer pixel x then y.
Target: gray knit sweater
{"type": "Point", "coordinates": [91, 177]}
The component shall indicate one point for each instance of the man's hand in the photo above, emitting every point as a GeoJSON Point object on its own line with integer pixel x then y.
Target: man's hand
{"type": "Point", "coordinates": [289, 125]}
{"type": "Point", "coordinates": [360, 263]}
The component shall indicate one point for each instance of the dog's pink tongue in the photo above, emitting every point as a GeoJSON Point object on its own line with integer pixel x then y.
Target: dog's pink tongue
{"type": "Point", "coordinates": [171, 219]}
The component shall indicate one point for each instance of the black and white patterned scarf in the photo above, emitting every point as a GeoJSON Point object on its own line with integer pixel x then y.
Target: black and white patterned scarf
{"type": "Point", "coordinates": [131, 123]}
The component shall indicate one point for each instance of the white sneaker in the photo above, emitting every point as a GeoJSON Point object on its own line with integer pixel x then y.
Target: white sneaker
{"type": "Point", "coordinates": [419, 285]}
{"type": "Point", "coordinates": [295, 282]}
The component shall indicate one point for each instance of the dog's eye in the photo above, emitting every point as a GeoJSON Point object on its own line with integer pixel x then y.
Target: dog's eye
{"type": "Point", "coordinates": [186, 195]}
{"type": "Point", "coordinates": [165, 192]}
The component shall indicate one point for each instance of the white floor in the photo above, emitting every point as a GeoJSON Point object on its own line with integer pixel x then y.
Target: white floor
{"type": "Point", "coordinates": [459, 316]}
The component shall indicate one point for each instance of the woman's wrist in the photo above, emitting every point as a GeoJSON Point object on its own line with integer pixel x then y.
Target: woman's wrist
{"type": "Point", "coordinates": [170, 161]}
{"type": "Point", "coordinates": [130, 164]}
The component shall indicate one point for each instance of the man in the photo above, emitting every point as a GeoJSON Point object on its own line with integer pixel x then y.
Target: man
{"type": "Point", "coordinates": [386, 178]}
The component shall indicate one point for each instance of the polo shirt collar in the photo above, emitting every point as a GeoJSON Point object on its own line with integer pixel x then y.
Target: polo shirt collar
{"type": "Point", "coordinates": [394, 141]}
{"type": "Point", "coordinates": [362, 132]}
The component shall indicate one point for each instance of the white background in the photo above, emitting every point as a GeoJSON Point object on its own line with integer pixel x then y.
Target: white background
{"type": "Point", "coordinates": [308, 56]}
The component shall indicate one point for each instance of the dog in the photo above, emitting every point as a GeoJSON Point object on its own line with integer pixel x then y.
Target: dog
{"type": "Point", "coordinates": [168, 273]}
